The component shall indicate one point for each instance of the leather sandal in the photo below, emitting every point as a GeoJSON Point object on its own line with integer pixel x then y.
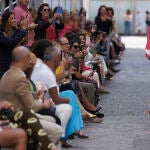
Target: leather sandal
{"type": "Point", "coordinates": [81, 135]}
{"type": "Point", "coordinates": [103, 91]}
{"type": "Point", "coordinates": [93, 120]}
{"type": "Point", "coordinates": [87, 116]}
{"type": "Point", "coordinates": [65, 144]}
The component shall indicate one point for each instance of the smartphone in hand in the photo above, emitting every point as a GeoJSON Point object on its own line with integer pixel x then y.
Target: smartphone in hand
{"type": "Point", "coordinates": [59, 11]}
{"type": "Point", "coordinates": [88, 40]}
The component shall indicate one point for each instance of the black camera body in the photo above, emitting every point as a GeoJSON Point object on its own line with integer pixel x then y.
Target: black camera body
{"type": "Point", "coordinates": [81, 47]}
{"type": "Point", "coordinates": [6, 112]}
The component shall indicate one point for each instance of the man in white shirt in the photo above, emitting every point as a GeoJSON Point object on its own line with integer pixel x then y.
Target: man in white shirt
{"type": "Point", "coordinates": [43, 74]}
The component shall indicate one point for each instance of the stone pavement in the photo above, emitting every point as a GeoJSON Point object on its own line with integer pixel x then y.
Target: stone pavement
{"type": "Point", "coordinates": [126, 125]}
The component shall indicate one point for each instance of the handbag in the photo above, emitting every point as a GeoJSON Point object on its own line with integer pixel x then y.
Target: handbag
{"type": "Point", "coordinates": [51, 112]}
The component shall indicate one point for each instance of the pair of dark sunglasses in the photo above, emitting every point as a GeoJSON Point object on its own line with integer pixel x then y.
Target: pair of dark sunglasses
{"type": "Point", "coordinates": [79, 47]}
{"type": "Point", "coordinates": [76, 46]}
{"type": "Point", "coordinates": [46, 10]}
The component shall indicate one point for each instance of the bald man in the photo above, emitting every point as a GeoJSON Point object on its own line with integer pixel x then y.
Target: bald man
{"type": "Point", "coordinates": [14, 87]}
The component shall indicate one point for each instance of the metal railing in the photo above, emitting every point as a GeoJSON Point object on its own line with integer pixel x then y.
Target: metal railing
{"type": "Point", "coordinates": [66, 4]}
{"type": "Point", "coordinates": [4, 7]}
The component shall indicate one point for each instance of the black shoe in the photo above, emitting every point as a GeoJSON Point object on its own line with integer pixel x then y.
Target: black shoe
{"type": "Point", "coordinates": [99, 115]}
{"type": "Point", "coordinates": [109, 76]}
{"type": "Point", "coordinates": [65, 144]}
{"type": "Point", "coordinates": [114, 69]}
{"type": "Point", "coordinates": [92, 111]}
{"type": "Point", "coordinates": [114, 62]}
{"type": "Point", "coordinates": [72, 137]}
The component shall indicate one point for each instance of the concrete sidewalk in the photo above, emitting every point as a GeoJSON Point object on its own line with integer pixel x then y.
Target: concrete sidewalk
{"type": "Point", "coordinates": [126, 125]}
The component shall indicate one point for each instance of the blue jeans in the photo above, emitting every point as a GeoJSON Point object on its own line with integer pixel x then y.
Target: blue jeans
{"type": "Point", "coordinates": [127, 26]}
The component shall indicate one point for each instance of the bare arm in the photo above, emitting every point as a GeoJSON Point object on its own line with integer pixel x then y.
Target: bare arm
{"type": "Point", "coordinates": [54, 94]}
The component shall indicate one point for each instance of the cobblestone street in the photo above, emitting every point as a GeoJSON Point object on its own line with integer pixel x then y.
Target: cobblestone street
{"type": "Point", "coordinates": [126, 125]}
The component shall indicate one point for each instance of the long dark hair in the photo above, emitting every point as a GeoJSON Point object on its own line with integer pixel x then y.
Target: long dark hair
{"type": "Point", "coordinates": [80, 11]}
{"type": "Point", "coordinates": [5, 18]}
{"type": "Point", "coordinates": [39, 47]}
{"type": "Point", "coordinates": [72, 38]}
{"type": "Point", "coordinates": [98, 13]}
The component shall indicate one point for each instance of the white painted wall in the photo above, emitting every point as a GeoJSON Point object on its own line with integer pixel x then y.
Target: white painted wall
{"type": "Point", "coordinates": [86, 5]}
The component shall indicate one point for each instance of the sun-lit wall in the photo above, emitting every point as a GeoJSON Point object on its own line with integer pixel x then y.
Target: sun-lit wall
{"type": "Point", "coordinates": [142, 6]}
{"type": "Point", "coordinates": [120, 7]}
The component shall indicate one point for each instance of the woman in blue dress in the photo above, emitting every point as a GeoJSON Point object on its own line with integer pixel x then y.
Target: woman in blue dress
{"type": "Point", "coordinates": [75, 123]}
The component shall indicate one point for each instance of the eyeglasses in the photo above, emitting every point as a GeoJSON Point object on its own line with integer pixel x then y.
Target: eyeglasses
{"type": "Point", "coordinates": [46, 10]}
{"type": "Point", "coordinates": [65, 44]}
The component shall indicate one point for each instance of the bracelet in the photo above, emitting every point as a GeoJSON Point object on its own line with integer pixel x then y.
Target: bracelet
{"type": "Point", "coordinates": [51, 146]}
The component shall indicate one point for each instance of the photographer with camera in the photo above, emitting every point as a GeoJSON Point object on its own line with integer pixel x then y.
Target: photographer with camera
{"type": "Point", "coordinates": [92, 61]}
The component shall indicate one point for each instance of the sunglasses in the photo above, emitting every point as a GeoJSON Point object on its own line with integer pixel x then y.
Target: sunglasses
{"type": "Point", "coordinates": [76, 46]}
{"type": "Point", "coordinates": [81, 47]}
{"type": "Point", "coordinates": [46, 10]}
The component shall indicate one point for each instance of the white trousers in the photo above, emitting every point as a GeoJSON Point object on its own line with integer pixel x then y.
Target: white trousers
{"type": "Point", "coordinates": [63, 111]}
{"type": "Point", "coordinates": [53, 130]}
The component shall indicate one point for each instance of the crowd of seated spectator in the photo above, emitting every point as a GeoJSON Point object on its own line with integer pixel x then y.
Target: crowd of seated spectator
{"type": "Point", "coordinates": [53, 69]}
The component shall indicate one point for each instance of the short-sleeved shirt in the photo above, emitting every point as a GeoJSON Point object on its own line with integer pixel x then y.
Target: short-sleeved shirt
{"type": "Point", "coordinates": [42, 73]}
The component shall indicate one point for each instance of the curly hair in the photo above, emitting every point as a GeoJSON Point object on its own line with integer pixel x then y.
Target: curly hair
{"type": "Point", "coordinates": [39, 14]}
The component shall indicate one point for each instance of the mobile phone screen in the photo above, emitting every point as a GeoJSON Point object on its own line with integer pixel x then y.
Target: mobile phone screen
{"type": "Point", "coordinates": [88, 41]}
{"type": "Point", "coordinates": [59, 10]}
